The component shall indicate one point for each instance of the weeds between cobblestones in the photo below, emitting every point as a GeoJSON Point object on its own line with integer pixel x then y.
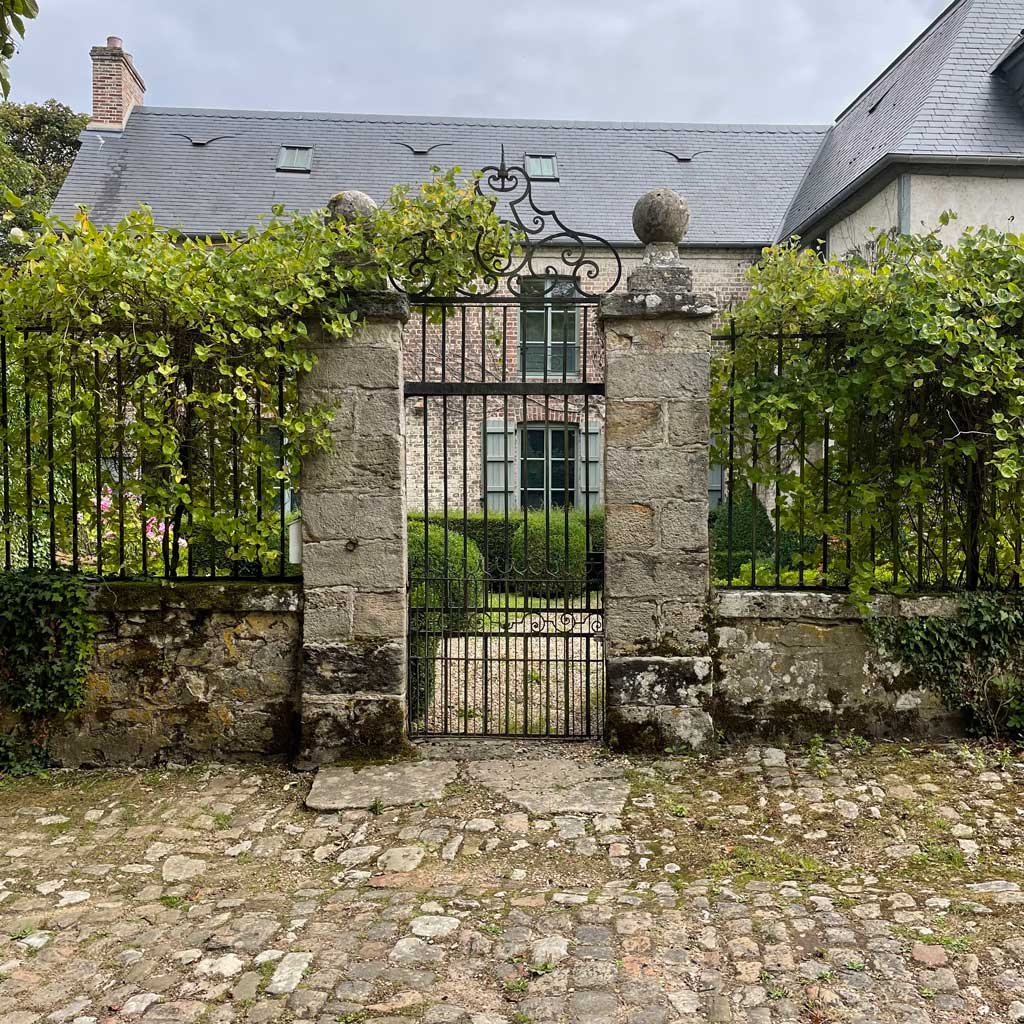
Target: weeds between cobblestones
{"type": "Point", "coordinates": [840, 882]}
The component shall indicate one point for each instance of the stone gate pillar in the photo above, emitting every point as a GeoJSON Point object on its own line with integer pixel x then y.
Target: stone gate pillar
{"type": "Point", "coordinates": [354, 541]}
{"type": "Point", "coordinates": [658, 350]}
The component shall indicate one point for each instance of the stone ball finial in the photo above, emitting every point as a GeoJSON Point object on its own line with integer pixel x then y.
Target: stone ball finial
{"type": "Point", "coordinates": [348, 205]}
{"type": "Point", "coordinates": [661, 215]}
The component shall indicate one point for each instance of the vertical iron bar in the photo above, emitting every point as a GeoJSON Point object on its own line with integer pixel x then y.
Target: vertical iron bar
{"type": "Point", "coordinates": [99, 465]}
{"type": "Point", "coordinates": [753, 494]}
{"type": "Point", "coordinates": [945, 525]}
{"type": "Point", "coordinates": [778, 473]}
{"type": "Point", "coordinates": [850, 427]}
{"type": "Point", "coordinates": [485, 641]}
{"type": "Point", "coordinates": [424, 699]}
{"type": "Point", "coordinates": [29, 496]}
{"type": "Point", "coordinates": [466, 619]}
{"type": "Point", "coordinates": [507, 541]}
{"type": "Point", "coordinates": [119, 383]}
{"type": "Point", "coordinates": [72, 367]}
{"type": "Point", "coordinates": [213, 493]}
{"type": "Point", "coordinates": [50, 471]}
{"type": "Point", "coordinates": [5, 426]}
{"type": "Point", "coordinates": [587, 491]}
{"type": "Point", "coordinates": [525, 500]}
{"type": "Point", "coordinates": [803, 497]}
{"type": "Point", "coordinates": [144, 524]}
{"type": "Point", "coordinates": [191, 438]}
{"type": "Point", "coordinates": [445, 580]}
{"type": "Point", "coordinates": [825, 469]}
{"type": "Point", "coordinates": [565, 502]}
{"type": "Point", "coordinates": [258, 411]}
{"type": "Point", "coordinates": [236, 496]}
{"type": "Point", "coordinates": [282, 487]}
{"type": "Point", "coordinates": [732, 448]}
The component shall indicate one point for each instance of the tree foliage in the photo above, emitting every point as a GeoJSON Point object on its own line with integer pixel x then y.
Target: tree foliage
{"type": "Point", "coordinates": [38, 142]}
{"type": "Point", "coordinates": [13, 15]}
{"type": "Point", "coordinates": [913, 363]}
{"type": "Point", "coordinates": [167, 365]}
{"type": "Point", "coordinates": [753, 535]}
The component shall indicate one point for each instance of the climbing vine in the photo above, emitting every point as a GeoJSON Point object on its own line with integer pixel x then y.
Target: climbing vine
{"type": "Point", "coordinates": [973, 660]}
{"type": "Point", "coordinates": [883, 397]}
{"type": "Point", "coordinates": [152, 377]}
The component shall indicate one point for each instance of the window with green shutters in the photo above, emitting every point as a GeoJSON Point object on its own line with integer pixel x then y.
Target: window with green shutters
{"type": "Point", "coordinates": [531, 464]}
{"type": "Point", "coordinates": [548, 328]}
{"type": "Point", "coordinates": [548, 477]}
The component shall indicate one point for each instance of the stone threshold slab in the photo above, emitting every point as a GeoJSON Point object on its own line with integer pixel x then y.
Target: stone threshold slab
{"type": "Point", "coordinates": [413, 782]}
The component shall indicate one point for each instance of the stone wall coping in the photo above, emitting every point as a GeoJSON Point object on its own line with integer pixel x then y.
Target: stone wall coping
{"type": "Point", "coordinates": [381, 305]}
{"type": "Point", "coordinates": [824, 606]}
{"type": "Point", "coordinates": [654, 303]}
{"type": "Point", "coordinates": [196, 595]}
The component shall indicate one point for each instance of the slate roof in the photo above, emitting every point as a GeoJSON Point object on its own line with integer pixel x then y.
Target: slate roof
{"type": "Point", "coordinates": [938, 99]}
{"type": "Point", "coordinates": [739, 183]}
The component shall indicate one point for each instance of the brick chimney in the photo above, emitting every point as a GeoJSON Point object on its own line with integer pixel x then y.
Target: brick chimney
{"type": "Point", "coordinates": [116, 86]}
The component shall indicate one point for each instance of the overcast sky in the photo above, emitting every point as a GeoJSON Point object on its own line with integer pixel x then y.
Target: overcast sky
{"type": "Point", "coordinates": [797, 61]}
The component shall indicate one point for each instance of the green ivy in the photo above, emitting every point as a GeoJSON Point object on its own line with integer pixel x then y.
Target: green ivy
{"type": "Point", "coordinates": [46, 644]}
{"type": "Point", "coordinates": [974, 661]}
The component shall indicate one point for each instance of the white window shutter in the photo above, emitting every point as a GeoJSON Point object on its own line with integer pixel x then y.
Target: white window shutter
{"type": "Point", "coordinates": [590, 478]}
{"type": "Point", "coordinates": [501, 466]}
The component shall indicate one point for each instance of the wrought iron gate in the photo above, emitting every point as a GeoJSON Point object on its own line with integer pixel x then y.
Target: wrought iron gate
{"type": "Point", "coordinates": [504, 419]}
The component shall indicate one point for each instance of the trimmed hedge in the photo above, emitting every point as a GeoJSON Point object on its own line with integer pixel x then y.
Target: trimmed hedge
{"type": "Point", "coordinates": [493, 538]}
{"type": "Point", "coordinates": [445, 591]}
{"type": "Point", "coordinates": [543, 562]}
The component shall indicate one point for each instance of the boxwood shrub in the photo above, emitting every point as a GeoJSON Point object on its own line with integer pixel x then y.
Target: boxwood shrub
{"type": "Point", "coordinates": [549, 557]}
{"type": "Point", "coordinates": [492, 536]}
{"type": "Point", "coordinates": [447, 589]}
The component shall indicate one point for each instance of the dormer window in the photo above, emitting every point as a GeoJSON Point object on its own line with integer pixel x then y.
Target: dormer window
{"type": "Point", "coordinates": [542, 167]}
{"type": "Point", "coordinates": [296, 159]}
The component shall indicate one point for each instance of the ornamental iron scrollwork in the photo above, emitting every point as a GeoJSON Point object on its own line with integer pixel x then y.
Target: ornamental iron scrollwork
{"type": "Point", "coordinates": [585, 265]}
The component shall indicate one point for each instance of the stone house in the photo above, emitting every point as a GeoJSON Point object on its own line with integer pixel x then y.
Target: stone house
{"type": "Point", "coordinates": [941, 128]}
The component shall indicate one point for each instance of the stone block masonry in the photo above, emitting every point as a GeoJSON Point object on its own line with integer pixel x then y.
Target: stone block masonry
{"type": "Point", "coordinates": [188, 671]}
{"type": "Point", "coordinates": [799, 664]}
{"type": "Point", "coordinates": [354, 543]}
{"type": "Point", "coordinates": [657, 350]}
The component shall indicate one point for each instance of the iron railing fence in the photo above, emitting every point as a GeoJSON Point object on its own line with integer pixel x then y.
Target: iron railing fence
{"type": "Point", "coordinates": [88, 487]}
{"type": "Point", "coordinates": [832, 497]}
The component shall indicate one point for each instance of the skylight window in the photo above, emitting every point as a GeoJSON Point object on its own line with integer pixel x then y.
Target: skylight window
{"type": "Point", "coordinates": [298, 159]}
{"type": "Point", "coordinates": [542, 167]}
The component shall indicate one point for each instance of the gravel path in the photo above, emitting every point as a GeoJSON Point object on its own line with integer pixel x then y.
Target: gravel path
{"type": "Point", "coordinates": [870, 885]}
{"type": "Point", "coordinates": [528, 679]}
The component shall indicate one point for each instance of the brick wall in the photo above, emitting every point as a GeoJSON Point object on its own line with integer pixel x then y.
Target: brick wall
{"type": "Point", "coordinates": [477, 343]}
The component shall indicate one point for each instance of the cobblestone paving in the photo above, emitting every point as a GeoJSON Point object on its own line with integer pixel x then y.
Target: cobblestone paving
{"type": "Point", "coordinates": [849, 884]}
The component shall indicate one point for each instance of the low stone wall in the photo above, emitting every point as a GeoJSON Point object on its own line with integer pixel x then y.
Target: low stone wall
{"type": "Point", "coordinates": [796, 664]}
{"type": "Point", "coordinates": [193, 670]}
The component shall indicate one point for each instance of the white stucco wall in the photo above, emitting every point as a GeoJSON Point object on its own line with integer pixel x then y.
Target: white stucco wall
{"type": "Point", "coordinates": [879, 213]}
{"type": "Point", "coordinates": [996, 202]}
